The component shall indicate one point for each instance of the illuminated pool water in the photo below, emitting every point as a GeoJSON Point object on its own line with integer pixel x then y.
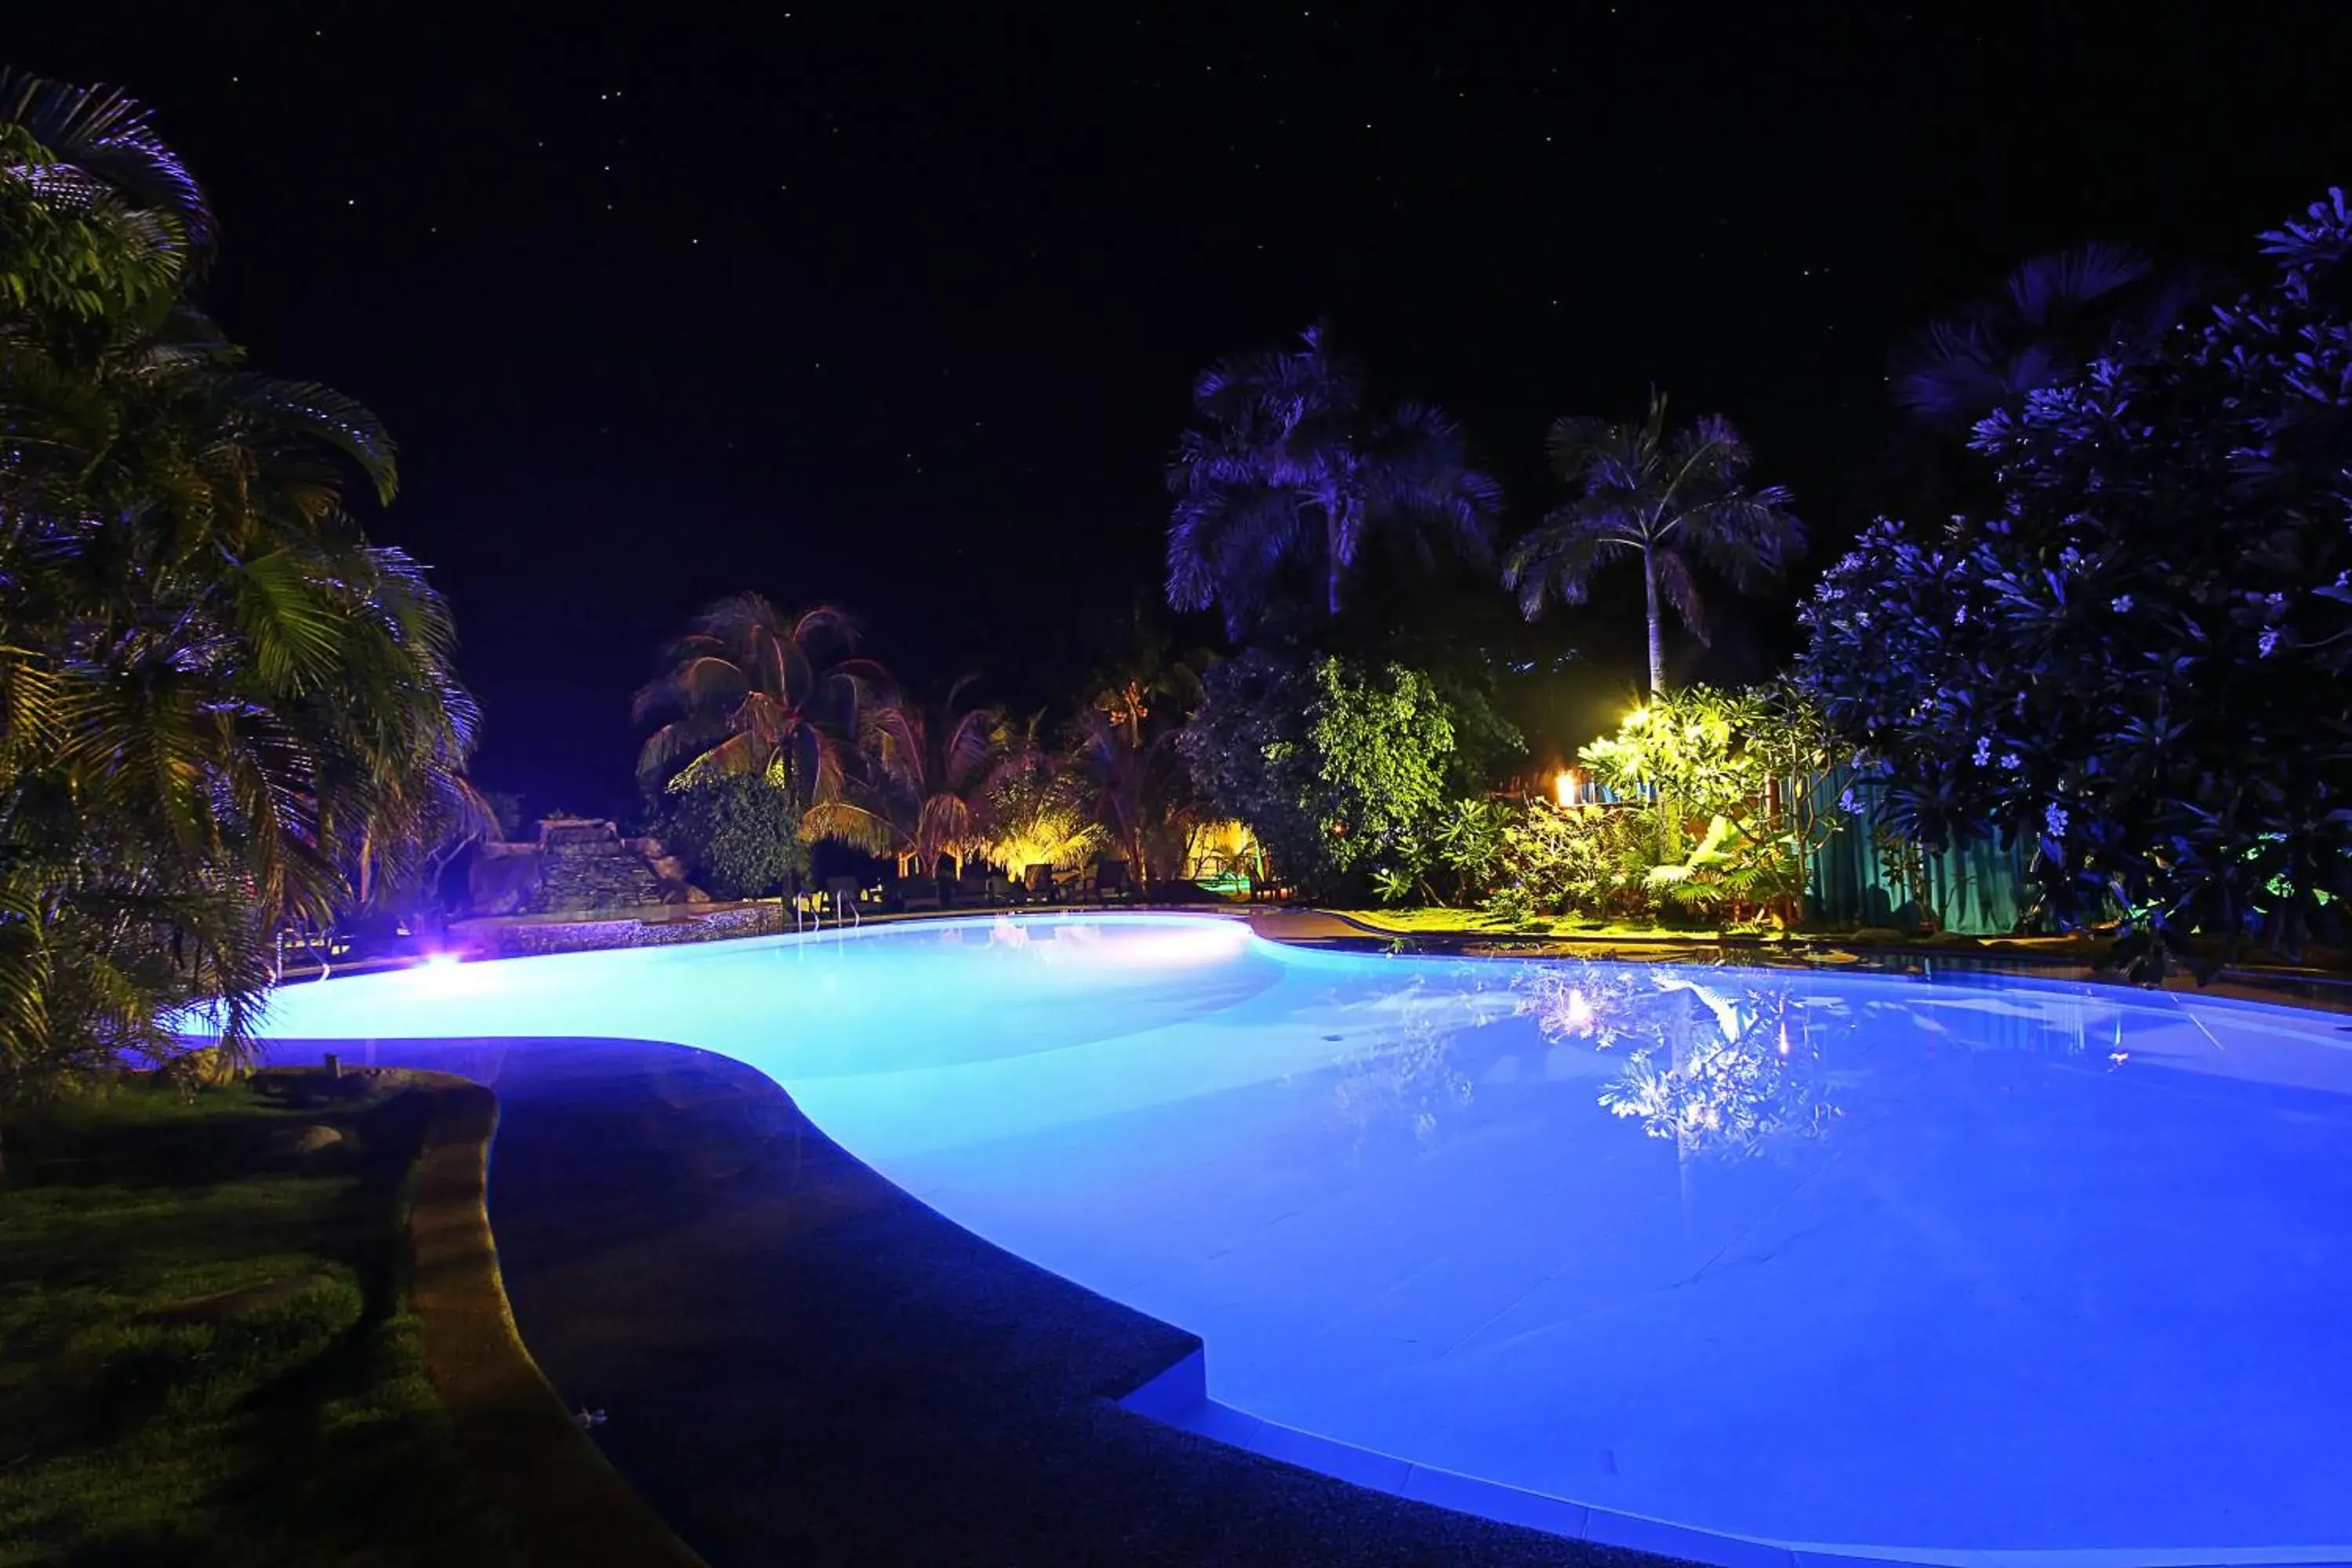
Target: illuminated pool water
{"type": "Point", "coordinates": [1950, 1271]}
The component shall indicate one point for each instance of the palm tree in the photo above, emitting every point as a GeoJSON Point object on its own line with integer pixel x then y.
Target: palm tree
{"type": "Point", "coordinates": [935, 771]}
{"type": "Point", "coordinates": [99, 218]}
{"type": "Point", "coordinates": [225, 711]}
{"type": "Point", "coordinates": [2055, 314]}
{"type": "Point", "coordinates": [1151, 675]}
{"type": "Point", "coordinates": [1132, 785]}
{"type": "Point", "coordinates": [1672, 499]}
{"type": "Point", "coordinates": [751, 690]}
{"type": "Point", "coordinates": [1293, 470]}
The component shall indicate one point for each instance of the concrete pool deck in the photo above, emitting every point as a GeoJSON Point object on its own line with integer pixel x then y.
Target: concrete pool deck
{"type": "Point", "coordinates": [799, 1363]}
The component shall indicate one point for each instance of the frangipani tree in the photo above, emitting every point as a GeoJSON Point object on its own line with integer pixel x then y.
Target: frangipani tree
{"type": "Point", "coordinates": [1671, 500]}
{"type": "Point", "coordinates": [2139, 666]}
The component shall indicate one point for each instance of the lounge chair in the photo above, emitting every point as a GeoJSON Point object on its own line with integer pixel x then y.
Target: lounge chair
{"type": "Point", "coordinates": [1110, 882]}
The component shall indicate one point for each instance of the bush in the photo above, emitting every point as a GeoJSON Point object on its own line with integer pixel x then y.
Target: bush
{"type": "Point", "coordinates": [1562, 860]}
{"type": "Point", "coordinates": [1725, 782]}
{"type": "Point", "coordinates": [739, 836]}
{"type": "Point", "coordinates": [1340, 768]}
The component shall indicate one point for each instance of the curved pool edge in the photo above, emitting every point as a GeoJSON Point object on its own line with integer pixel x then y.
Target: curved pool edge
{"type": "Point", "coordinates": [796, 1358]}
{"type": "Point", "coordinates": [1179, 1397]}
{"type": "Point", "coordinates": [1158, 1392]}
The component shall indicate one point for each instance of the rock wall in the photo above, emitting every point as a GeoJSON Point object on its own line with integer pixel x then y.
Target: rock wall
{"type": "Point", "coordinates": [589, 878]}
{"type": "Point", "coordinates": [504, 938]}
{"type": "Point", "coordinates": [576, 867]}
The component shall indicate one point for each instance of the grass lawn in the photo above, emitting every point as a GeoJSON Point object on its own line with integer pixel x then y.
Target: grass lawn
{"type": "Point", "coordinates": [1418, 921]}
{"type": "Point", "coordinates": [206, 1351]}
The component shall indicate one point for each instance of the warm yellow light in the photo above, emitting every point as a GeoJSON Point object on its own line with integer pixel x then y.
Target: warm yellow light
{"type": "Point", "coordinates": [1637, 717]}
{"type": "Point", "coordinates": [1563, 787]}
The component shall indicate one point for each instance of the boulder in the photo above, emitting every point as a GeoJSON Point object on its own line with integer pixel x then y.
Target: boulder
{"type": "Point", "coordinates": [309, 1144]}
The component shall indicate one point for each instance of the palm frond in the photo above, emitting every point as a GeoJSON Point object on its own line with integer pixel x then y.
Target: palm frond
{"type": "Point", "coordinates": [1680, 590]}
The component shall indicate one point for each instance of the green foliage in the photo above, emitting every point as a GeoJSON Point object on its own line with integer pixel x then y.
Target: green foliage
{"type": "Point", "coordinates": [740, 836]}
{"type": "Point", "coordinates": [1378, 741]}
{"type": "Point", "coordinates": [222, 713]}
{"type": "Point", "coordinates": [1587, 860]}
{"type": "Point", "coordinates": [1714, 816]}
{"type": "Point", "coordinates": [1340, 768]}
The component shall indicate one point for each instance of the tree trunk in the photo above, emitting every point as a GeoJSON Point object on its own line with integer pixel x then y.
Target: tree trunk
{"type": "Point", "coordinates": [1657, 628]}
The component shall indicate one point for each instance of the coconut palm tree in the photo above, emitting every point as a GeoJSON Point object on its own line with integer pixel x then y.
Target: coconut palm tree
{"type": "Point", "coordinates": [752, 689]}
{"type": "Point", "coordinates": [1132, 785]}
{"type": "Point", "coordinates": [99, 218]}
{"type": "Point", "coordinates": [1672, 499]}
{"type": "Point", "coordinates": [1293, 469]}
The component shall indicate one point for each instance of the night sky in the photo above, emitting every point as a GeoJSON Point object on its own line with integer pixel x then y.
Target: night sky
{"type": "Point", "coordinates": [896, 306]}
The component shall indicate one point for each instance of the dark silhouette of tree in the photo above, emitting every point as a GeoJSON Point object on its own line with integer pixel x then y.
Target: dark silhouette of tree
{"type": "Point", "coordinates": [1294, 469]}
{"type": "Point", "coordinates": [1670, 499]}
{"type": "Point", "coordinates": [2053, 315]}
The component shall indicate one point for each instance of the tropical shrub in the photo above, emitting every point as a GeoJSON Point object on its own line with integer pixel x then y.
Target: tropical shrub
{"type": "Point", "coordinates": [2139, 666]}
{"type": "Point", "coordinates": [1340, 768]}
{"type": "Point", "coordinates": [1724, 781]}
{"type": "Point", "coordinates": [738, 834]}
{"type": "Point", "coordinates": [1588, 860]}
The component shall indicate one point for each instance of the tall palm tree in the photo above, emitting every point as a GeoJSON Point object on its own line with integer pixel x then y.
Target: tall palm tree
{"type": "Point", "coordinates": [1293, 469]}
{"type": "Point", "coordinates": [752, 689]}
{"type": "Point", "coordinates": [1672, 499]}
{"type": "Point", "coordinates": [2053, 315]}
{"type": "Point", "coordinates": [226, 711]}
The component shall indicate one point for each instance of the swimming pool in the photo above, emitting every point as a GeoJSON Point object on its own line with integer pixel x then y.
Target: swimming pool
{"type": "Point", "coordinates": [1968, 1270]}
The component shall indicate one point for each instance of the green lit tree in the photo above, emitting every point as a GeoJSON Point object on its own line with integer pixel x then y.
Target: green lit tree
{"type": "Point", "coordinates": [738, 834]}
{"type": "Point", "coordinates": [1341, 769]}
